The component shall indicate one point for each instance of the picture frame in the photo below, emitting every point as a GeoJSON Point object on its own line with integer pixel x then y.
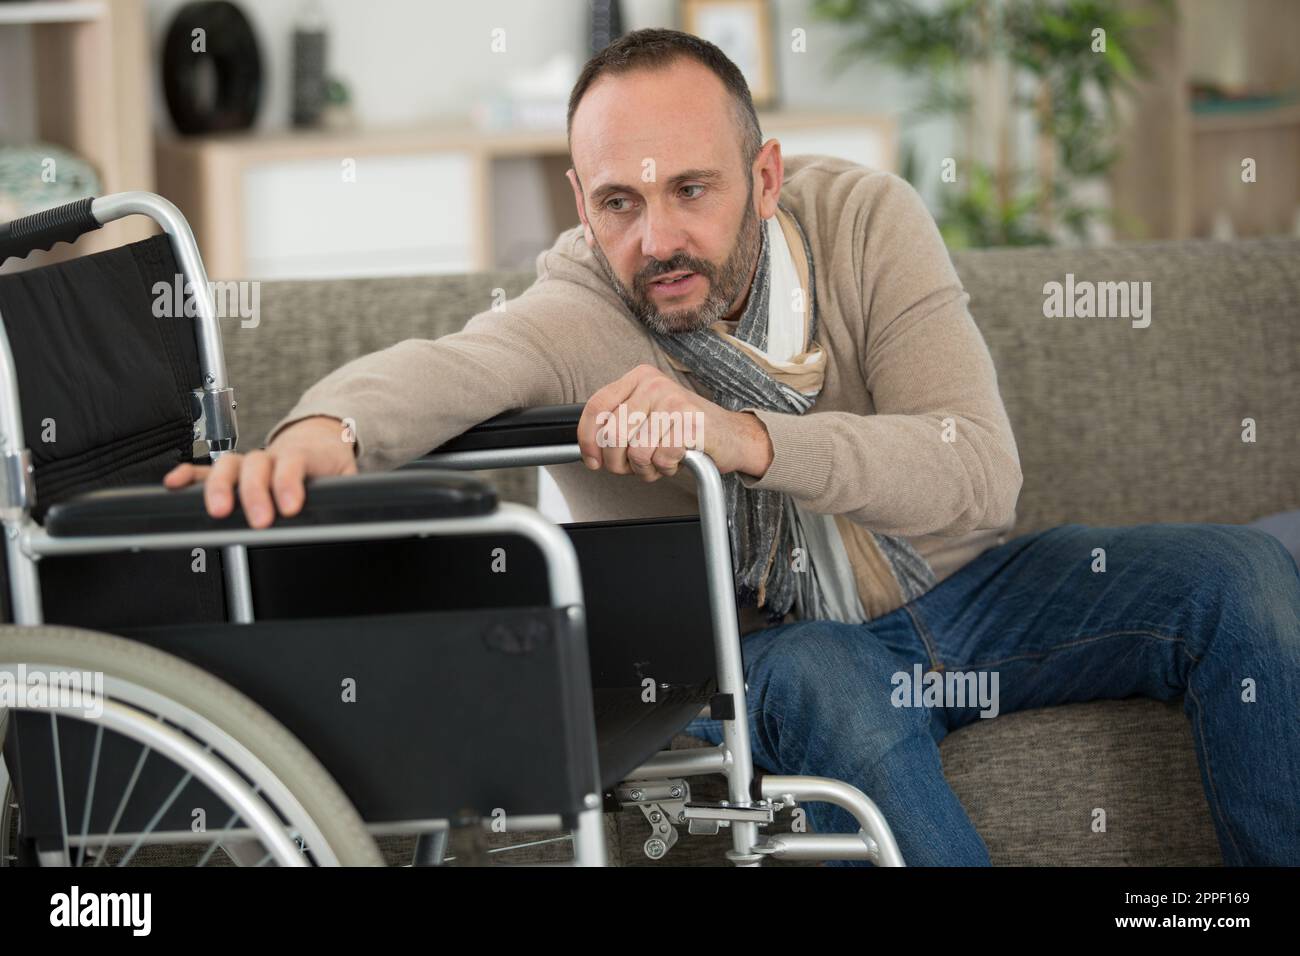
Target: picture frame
{"type": "Point", "coordinates": [742, 29]}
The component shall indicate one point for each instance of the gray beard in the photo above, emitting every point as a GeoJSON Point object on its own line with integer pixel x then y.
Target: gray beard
{"type": "Point", "coordinates": [725, 285]}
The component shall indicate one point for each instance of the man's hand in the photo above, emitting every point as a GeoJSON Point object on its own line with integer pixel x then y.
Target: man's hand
{"type": "Point", "coordinates": [660, 421]}
{"type": "Point", "coordinates": [312, 448]}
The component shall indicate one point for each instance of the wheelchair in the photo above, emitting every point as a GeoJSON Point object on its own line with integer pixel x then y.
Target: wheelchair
{"type": "Point", "coordinates": [407, 658]}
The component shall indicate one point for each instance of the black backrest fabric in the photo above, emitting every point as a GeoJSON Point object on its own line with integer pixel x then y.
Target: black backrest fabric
{"type": "Point", "coordinates": [104, 385]}
{"type": "Point", "coordinates": [97, 368]}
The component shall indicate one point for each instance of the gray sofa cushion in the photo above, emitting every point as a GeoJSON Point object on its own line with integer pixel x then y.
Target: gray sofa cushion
{"type": "Point", "coordinates": [1133, 759]}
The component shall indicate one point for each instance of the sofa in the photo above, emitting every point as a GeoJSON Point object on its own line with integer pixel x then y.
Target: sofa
{"type": "Point", "coordinates": [1115, 425]}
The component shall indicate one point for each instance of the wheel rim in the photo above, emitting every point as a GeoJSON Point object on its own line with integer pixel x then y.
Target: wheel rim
{"type": "Point", "coordinates": [164, 726]}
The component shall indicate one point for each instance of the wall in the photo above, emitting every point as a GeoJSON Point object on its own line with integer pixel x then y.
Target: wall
{"type": "Point", "coordinates": [410, 60]}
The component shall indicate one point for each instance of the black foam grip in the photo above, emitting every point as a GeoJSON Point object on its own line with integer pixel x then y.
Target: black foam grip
{"type": "Point", "coordinates": [541, 425]}
{"type": "Point", "coordinates": [41, 230]}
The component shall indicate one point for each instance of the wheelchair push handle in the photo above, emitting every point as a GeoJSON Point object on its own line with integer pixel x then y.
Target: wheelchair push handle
{"type": "Point", "coordinates": [42, 230]}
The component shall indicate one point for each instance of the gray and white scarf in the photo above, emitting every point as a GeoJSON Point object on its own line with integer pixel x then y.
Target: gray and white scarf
{"type": "Point", "coordinates": [770, 360]}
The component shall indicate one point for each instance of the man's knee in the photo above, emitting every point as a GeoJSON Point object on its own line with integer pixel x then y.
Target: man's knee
{"type": "Point", "coordinates": [1225, 559]}
{"type": "Point", "coordinates": [1246, 561]}
{"type": "Point", "coordinates": [834, 682]}
{"type": "Point", "coordinates": [1268, 590]}
{"type": "Point", "coordinates": [1256, 584]}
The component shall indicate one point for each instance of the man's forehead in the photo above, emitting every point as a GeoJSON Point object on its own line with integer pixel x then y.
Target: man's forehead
{"type": "Point", "coordinates": [668, 121]}
{"type": "Point", "coordinates": [644, 159]}
{"type": "Point", "coordinates": [615, 154]}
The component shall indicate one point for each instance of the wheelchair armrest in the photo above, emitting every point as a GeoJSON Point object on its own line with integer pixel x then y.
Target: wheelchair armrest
{"type": "Point", "coordinates": [543, 425]}
{"type": "Point", "coordinates": [387, 496]}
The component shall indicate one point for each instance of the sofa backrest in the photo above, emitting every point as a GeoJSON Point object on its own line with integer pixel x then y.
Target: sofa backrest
{"type": "Point", "coordinates": [1120, 425]}
{"type": "Point", "coordinates": [1114, 424]}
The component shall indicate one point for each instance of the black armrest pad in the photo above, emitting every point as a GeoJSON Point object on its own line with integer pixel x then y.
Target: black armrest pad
{"type": "Point", "coordinates": [387, 496]}
{"type": "Point", "coordinates": [544, 425]}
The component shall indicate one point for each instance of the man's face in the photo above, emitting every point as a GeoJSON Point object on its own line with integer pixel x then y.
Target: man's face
{"type": "Point", "coordinates": [665, 191]}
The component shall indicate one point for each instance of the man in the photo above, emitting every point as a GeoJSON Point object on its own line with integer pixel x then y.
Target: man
{"type": "Point", "coordinates": [806, 317]}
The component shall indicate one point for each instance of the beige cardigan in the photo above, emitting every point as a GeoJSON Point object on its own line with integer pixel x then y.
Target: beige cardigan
{"type": "Point", "coordinates": [909, 436]}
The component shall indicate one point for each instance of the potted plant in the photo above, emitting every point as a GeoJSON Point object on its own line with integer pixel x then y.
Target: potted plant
{"type": "Point", "coordinates": [989, 63]}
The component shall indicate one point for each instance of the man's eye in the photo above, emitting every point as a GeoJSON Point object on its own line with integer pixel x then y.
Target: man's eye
{"type": "Point", "coordinates": [610, 208]}
{"type": "Point", "coordinates": [693, 186]}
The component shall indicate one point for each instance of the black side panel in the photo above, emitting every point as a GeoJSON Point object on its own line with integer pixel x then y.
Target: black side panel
{"type": "Point", "coordinates": [399, 749]}
{"type": "Point", "coordinates": [647, 602]}
{"type": "Point", "coordinates": [631, 727]}
{"type": "Point", "coordinates": [643, 582]}
{"type": "Point", "coordinates": [517, 678]}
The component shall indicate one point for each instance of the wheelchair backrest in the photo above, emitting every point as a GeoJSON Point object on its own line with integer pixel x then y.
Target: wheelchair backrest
{"type": "Point", "coordinates": [106, 361]}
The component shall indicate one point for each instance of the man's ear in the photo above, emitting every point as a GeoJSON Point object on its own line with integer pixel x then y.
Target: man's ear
{"type": "Point", "coordinates": [770, 172]}
{"type": "Point", "coordinates": [572, 175]}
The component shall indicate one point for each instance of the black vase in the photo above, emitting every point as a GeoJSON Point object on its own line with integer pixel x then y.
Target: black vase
{"type": "Point", "coordinates": [215, 86]}
{"type": "Point", "coordinates": [308, 76]}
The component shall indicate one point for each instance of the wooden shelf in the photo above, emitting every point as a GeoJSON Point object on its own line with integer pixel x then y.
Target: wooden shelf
{"type": "Point", "coordinates": [1271, 117]}
{"type": "Point", "coordinates": [211, 178]}
{"type": "Point", "coordinates": [72, 11]}
{"type": "Point", "coordinates": [454, 134]}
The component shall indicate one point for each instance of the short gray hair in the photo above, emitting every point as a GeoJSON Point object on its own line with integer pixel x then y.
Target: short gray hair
{"type": "Point", "coordinates": [659, 48]}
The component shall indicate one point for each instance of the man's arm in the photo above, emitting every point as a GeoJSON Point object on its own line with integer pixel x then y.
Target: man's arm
{"type": "Point", "coordinates": [938, 456]}
{"type": "Point", "coordinates": [384, 409]}
{"type": "Point", "coordinates": [407, 399]}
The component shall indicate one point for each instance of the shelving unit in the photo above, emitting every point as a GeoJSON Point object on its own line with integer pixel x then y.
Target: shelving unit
{"type": "Point", "coordinates": [1181, 173]}
{"type": "Point", "coordinates": [91, 92]}
{"type": "Point", "coordinates": [69, 11]}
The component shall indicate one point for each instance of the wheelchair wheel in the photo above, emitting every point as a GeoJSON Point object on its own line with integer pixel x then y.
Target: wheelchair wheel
{"type": "Point", "coordinates": [265, 798]}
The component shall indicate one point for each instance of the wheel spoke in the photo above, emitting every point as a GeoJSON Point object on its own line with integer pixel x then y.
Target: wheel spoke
{"type": "Point", "coordinates": [58, 776]}
{"type": "Point", "coordinates": [90, 793]}
{"type": "Point", "coordinates": [121, 806]}
{"type": "Point", "coordinates": [161, 811]}
{"type": "Point", "coordinates": [524, 846]}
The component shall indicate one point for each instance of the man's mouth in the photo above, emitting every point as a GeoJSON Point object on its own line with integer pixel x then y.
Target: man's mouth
{"type": "Point", "coordinates": [675, 283]}
{"type": "Point", "coordinates": [673, 277]}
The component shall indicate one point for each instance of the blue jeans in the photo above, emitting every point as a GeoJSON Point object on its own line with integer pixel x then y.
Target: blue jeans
{"type": "Point", "coordinates": [1208, 612]}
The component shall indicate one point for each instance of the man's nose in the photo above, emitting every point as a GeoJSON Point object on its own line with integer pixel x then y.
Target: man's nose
{"type": "Point", "coordinates": [661, 235]}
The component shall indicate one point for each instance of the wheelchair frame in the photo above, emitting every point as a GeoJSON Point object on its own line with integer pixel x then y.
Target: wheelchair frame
{"type": "Point", "coordinates": [752, 800]}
